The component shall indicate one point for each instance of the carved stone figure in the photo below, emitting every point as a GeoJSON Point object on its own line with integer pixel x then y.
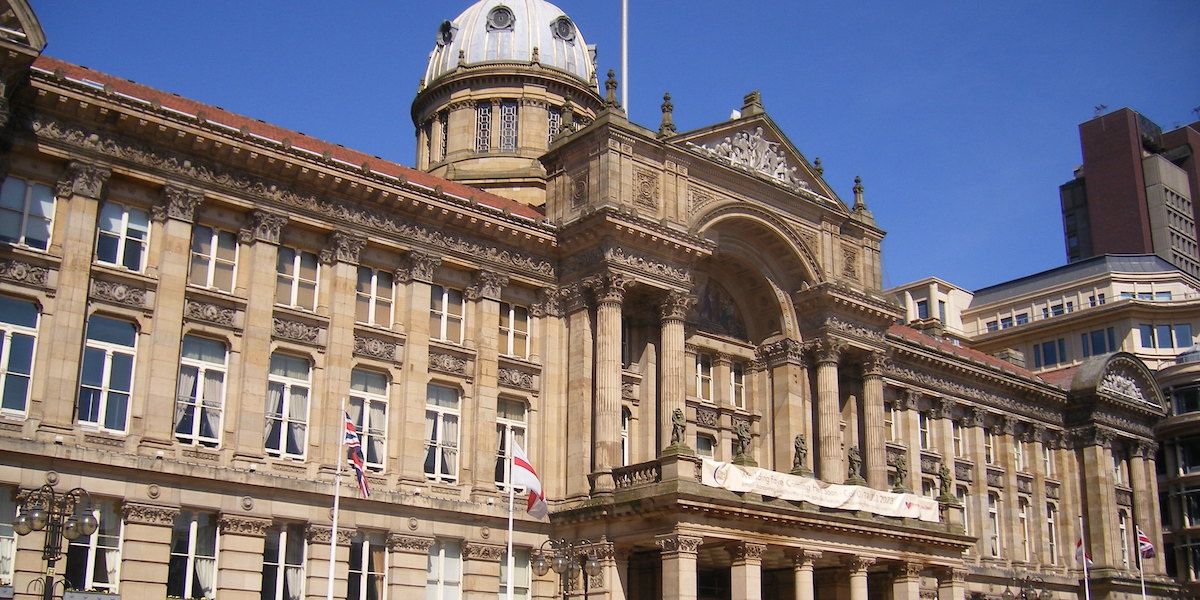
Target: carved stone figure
{"type": "Point", "coordinates": [901, 471]}
{"type": "Point", "coordinates": [945, 481]}
{"type": "Point", "coordinates": [855, 460]}
{"type": "Point", "coordinates": [801, 446]}
{"type": "Point", "coordinates": [678, 426]}
{"type": "Point", "coordinates": [743, 438]}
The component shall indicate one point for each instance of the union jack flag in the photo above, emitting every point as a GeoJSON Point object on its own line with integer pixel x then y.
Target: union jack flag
{"type": "Point", "coordinates": [1145, 546]}
{"type": "Point", "coordinates": [355, 454]}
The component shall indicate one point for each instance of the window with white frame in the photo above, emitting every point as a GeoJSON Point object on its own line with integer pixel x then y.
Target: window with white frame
{"type": "Point", "coordinates": [1023, 528]}
{"type": "Point", "coordinates": [443, 578]}
{"type": "Point", "coordinates": [1018, 446]}
{"type": "Point", "coordinates": [368, 408]}
{"type": "Point", "coordinates": [737, 385]}
{"type": "Point", "coordinates": [993, 525]}
{"type": "Point", "coordinates": [510, 424]}
{"type": "Point", "coordinates": [1047, 460]}
{"type": "Point", "coordinates": [521, 579]}
{"type": "Point", "coordinates": [928, 488]}
{"type": "Point", "coordinates": [989, 446]}
{"type": "Point", "coordinates": [18, 330]}
{"type": "Point", "coordinates": [192, 571]}
{"type": "Point", "coordinates": [26, 213]}
{"type": "Point", "coordinates": [514, 330]}
{"type": "Point", "coordinates": [626, 421]}
{"type": "Point", "coordinates": [889, 421]}
{"type": "Point", "coordinates": [106, 377]}
{"type": "Point", "coordinates": [8, 537]}
{"type": "Point", "coordinates": [93, 560]}
{"type": "Point", "coordinates": [441, 433]}
{"type": "Point", "coordinates": [1052, 532]}
{"type": "Point", "coordinates": [296, 275]}
{"type": "Point", "coordinates": [288, 385]}
{"type": "Point", "coordinates": [1118, 468]}
{"type": "Point", "coordinates": [200, 396]}
{"type": "Point", "coordinates": [962, 494]}
{"type": "Point", "coordinates": [923, 434]}
{"type": "Point", "coordinates": [1123, 532]}
{"type": "Point", "coordinates": [283, 563]}
{"type": "Point", "coordinates": [956, 433]}
{"type": "Point", "coordinates": [214, 258]}
{"type": "Point", "coordinates": [374, 291]}
{"type": "Point", "coordinates": [445, 314]}
{"type": "Point", "coordinates": [367, 567]}
{"type": "Point", "coordinates": [123, 236]}
{"type": "Point", "coordinates": [704, 375]}
{"type": "Point", "coordinates": [706, 445]}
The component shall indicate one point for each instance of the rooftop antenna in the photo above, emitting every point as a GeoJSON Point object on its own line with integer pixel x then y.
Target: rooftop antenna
{"type": "Point", "coordinates": [625, 55]}
{"type": "Point", "coordinates": [1100, 108]}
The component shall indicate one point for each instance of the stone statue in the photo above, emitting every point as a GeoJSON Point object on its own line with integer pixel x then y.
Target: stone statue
{"type": "Point", "coordinates": [855, 460]}
{"type": "Point", "coordinates": [678, 426]}
{"type": "Point", "coordinates": [801, 446]}
{"type": "Point", "coordinates": [743, 438]}
{"type": "Point", "coordinates": [901, 471]}
{"type": "Point", "coordinates": [945, 480]}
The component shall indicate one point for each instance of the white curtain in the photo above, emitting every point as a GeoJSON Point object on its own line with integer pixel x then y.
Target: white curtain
{"type": "Point", "coordinates": [112, 558]}
{"type": "Point", "coordinates": [206, 569]}
{"type": "Point", "coordinates": [185, 398]}
{"type": "Point", "coordinates": [8, 547]}
{"type": "Point", "coordinates": [430, 442]}
{"type": "Point", "coordinates": [274, 415]}
{"type": "Point", "coordinates": [297, 409]}
{"type": "Point", "coordinates": [295, 582]}
{"type": "Point", "coordinates": [449, 444]}
{"type": "Point", "coordinates": [210, 423]}
{"type": "Point", "coordinates": [376, 424]}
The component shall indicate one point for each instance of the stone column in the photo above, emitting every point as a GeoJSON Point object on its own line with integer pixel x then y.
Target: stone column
{"type": "Point", "coordinates": [481, 570]}
{"type": "Point", "coordinates": [974, 426]}
{"type": "Point", "coordinates": [906, 581]}
{"type": "Point", "coordinates": [581, 390]}
{"type": "Point", "coordinates": [77, 198]}
{"type": "Point", "coordinates": [417, 273]}
{"type": "Point", "coordinates": [673, 385]}
{"type": "Point", "coordinates": [259, 239]}
{"type": "Point", "coordinates": [241, 557]}
{"type": "Point", "coordinates": [802, 568]}
{"type": "Point", "coordinates": [875, 450]}
{"type": "Point", "coordinates": [408, 558]}
{"type": "Point", "coordinates": [609, 290]}
{"type": "Point", "coordinates": [609, 583]}
{"type": "Point", "coordinates": [829, 435]}
{"type": "Point", "coordinates": [745, 573]}
{"type": "Point", "coordinates": [1099, 498]}
{"type": "Point", "coordinates": [787, 383]}
{"type": "Point", "coordinates": [857, 567]}
{"type": "Point", "coordinates": [1144, 481]}
{"type": "Point", "coordinates": [908, 419]}
{"type": "Point", "coordinates": [340, 263]}
{"type": "Point", "coordinates": [479, 452]}
{"type": "Point", "coordinates": [146, 549]}
{"type": "Point", "coordinates": [678, 565]}
{"type": "Point", "coordinates": [952, 584]}
{"type": "Point", "coordinates": [316, 568]}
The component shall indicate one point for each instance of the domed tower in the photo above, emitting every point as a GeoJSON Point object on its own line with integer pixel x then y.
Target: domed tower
{"type": "Point", "coordinates": [505, 78]}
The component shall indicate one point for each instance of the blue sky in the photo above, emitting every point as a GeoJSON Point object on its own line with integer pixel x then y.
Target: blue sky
{"type": "Point", "coordinates": [961, 117]}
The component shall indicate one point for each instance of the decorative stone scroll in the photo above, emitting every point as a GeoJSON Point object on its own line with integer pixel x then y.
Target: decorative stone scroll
{"type": "Point", "coordinates": [148, 514]}
{"type": "Point", "coordinates": [203, 311]}
{"type": "Point", "coordinates": [447, 363]}
{"type": "Point", "coordinates": [477, 551]}
{"type": "Point", "coordinates": [294, 330]}
{"type": "Point", "coordinates": [248, 526]}
{"type": "Point", "coordinates": [751, 151]}
{"type": "Point", "coordinates": [23, 272]}
{"type": "Point", "coordinates": [119, 293]}
{"type": "Point", "coordinates": [515, 378]}
{"type": "Point", "coordinates": [408, 543]}
{"type": "Point", "coordinates": [320, 534]}
{"type": "Point", "coordinates": [375, 348]}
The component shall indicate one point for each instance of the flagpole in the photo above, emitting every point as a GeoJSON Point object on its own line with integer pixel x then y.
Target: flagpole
{"type": "Point", "coordinates": [1141, 559]}
{"type": "Point", "coordinates": [625, 55]}
{"type": "Point", "coordinates": [511, 559]}
{"type": "Point", "coordinates": [337, 494]}
{"type": "Point", "coordinates": [1087, 587]}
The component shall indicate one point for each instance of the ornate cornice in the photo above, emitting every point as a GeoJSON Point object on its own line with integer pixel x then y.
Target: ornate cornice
{"type": "Point", "coordinates": [961, 390]}
{"type": "Point", "coordinates": [148, 514]}
{"type": "Point", "coordinates": [82, 179]}
{"type": "Point", "coordinates": [176, 203]}
{"type": "Point", "coordinates": [852, 328]}
{"type": "Point", "coordinates": [240, 525]}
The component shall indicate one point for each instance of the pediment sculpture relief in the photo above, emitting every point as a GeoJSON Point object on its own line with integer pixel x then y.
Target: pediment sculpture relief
{"type": "Point", "coordinates": [754, 152]}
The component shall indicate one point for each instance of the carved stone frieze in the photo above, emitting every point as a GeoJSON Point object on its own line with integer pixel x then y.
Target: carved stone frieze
{"type": "Point", "coordinates": [515, 378]}
{"type": "Point", "coordinates": [262, 226]}
{"type": "Point", "coordinates": [239, 525]}
{"type": "Point", "coordinates": [963, 471]}
{"type": "Point", "coordinates": [829, 350]}
{"type": "Point", "coordinates": [203, 311]}
{"type": "Point", "coordinates": [120, 293]}
{"type": "Point", "coordinates": [343, 247]}
{"type": "Point", "coordinates": [852, 328]}
{"type": "Point", "coordinates": [628, 389]}
{"type": "Point", "coordinates": [1124, 497]}
{"type": "Point", "coordinates": [1024, 484]}
{"type": "Point", "coordinates": [23, 272]}
{"type": "Point", "coordinates": [148, 514]}
{"type": "Point", "coordinates": [698, 199]}
{"type": "Point", "coordinates": [646, 188]}
{"type": "Point", "coordinates": [955, 388]}
{"type": "Point", "coordinates": [646, 264]}
{"type": "Point", "coordinates": [908, 399]}
{"type": "Point", "coordinates": [907, 570]}
{"type": "Point", "coordinates": [995, 477]}
{"type": "Point", "coordinates": [82, 179]}
{"type": "Point", "coordinates": [875, 363]}
{"type": "Point", "coordinates": [707, 417]}
{"type": "Point", "coordinates": [488, 284]}
{"type": "Point", "coordinates": [212, 174]}
{"type": "Point", "coordinates": [608, 288]}
{"type": "Point", "coordinates": [409, 543]}
{"type": "Point", "coordinates": [859, 563]}
{"type": "Point", "coordinates": [579, 189]}
{"type": "Point", "coordinates": [447, 363]}
{"type": "Point", "coordinates": [752, 151]}
{"type": "Point", "coordinates": [375, 347]}
{"type": "Point", "coordinates": [1052, 491]}
{"type": "Point", "coordinates": [176, 203]}
{"type": "Point", "coordinates": [477, 551]}
{"type": "Point", "coordinates": [294, 330]}
{"type": "Point", "coordinates": [849, 262]}
{"type": "Point", "coordinates": [1122, 386]}
{"type": "Point", "coordinates": [320, 534]}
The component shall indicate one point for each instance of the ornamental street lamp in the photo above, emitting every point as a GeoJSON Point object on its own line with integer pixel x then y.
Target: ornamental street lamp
{"type": "Point", "coordinates": [67, 515]}
{"type": "Point", "coordinates": [1027, 589]}
{"type": "Point", "coordinates": [567, 559]}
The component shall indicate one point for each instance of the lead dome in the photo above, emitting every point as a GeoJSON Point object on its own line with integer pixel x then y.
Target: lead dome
{"type": "Point", "coordinates": [511, 31]}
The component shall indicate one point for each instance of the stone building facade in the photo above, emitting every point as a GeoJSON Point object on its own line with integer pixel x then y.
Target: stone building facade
{"type": "Point", "coordinates": [191, 298]}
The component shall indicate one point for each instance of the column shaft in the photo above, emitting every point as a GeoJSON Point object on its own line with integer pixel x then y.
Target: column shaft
{"type": "Point", "coordinates": [673, 361]}
{"type": "Point", "coordinates": [678, 566]}
{"type": "Point", "coordinates": [875, 451]}
{"type": "Point", "coordinates": [828, 416]}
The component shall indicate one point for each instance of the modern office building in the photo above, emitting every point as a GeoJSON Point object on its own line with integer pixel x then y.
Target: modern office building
{"type": "Point", "coordinates": [685, 331]}
{"type": "Point", "coordinates": [1135, 192]}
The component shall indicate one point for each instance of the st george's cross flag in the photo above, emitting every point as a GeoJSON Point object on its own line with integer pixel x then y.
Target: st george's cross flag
{"type": "Point", "coordinates": [523, 474]}
{"type": "Point", "coordinates": [355, 454]}
{"type": "Point", "coordinates": [1080, 555]}
{"type": "Point", "coordinates": [1145, 546]}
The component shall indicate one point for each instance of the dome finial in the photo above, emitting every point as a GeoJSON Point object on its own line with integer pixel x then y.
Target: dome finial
{"type": "Point", "coordinates": [667, 127]}
{"type": "Point", "coordinates": [817, 166]}
{"type": "Point", "coordinates": [610, 90]}
{"type": "Point", "coordinates": [860, 206]}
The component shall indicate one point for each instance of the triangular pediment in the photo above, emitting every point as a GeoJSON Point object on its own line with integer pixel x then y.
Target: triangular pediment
{"type": "Point", "coordinates": [19, 27]}
{"type": "Point", "coordinates": [755, 146]}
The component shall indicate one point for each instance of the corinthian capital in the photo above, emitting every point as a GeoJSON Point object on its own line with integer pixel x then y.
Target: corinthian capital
{"type": "Point", "coordinates": [608, 288]}
{"type": "Point", "coordinates": [828, 350]}
{"type": "Point", "coordinates": [487, 285]}
{"type": "Point", "coordinates": [176, 203]}
{"type": "Point", "coordinates": [343, 247]}
{"type": "Point", "coordinates": [262, 226]}
{"type": "Point", "coordinates": [875, 364]}
{"type": "Point", "coordinates": [420, 267]}
{"type": "Point", "coordinates": [83, 179]}
{"type": "Point", "coordinates": [675, 305]}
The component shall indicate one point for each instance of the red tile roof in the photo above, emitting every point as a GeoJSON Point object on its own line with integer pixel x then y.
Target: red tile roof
{"type": "Point", "coordinates": [279, 134]}
{"type": "Point", "coordinates": [913, 335]}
